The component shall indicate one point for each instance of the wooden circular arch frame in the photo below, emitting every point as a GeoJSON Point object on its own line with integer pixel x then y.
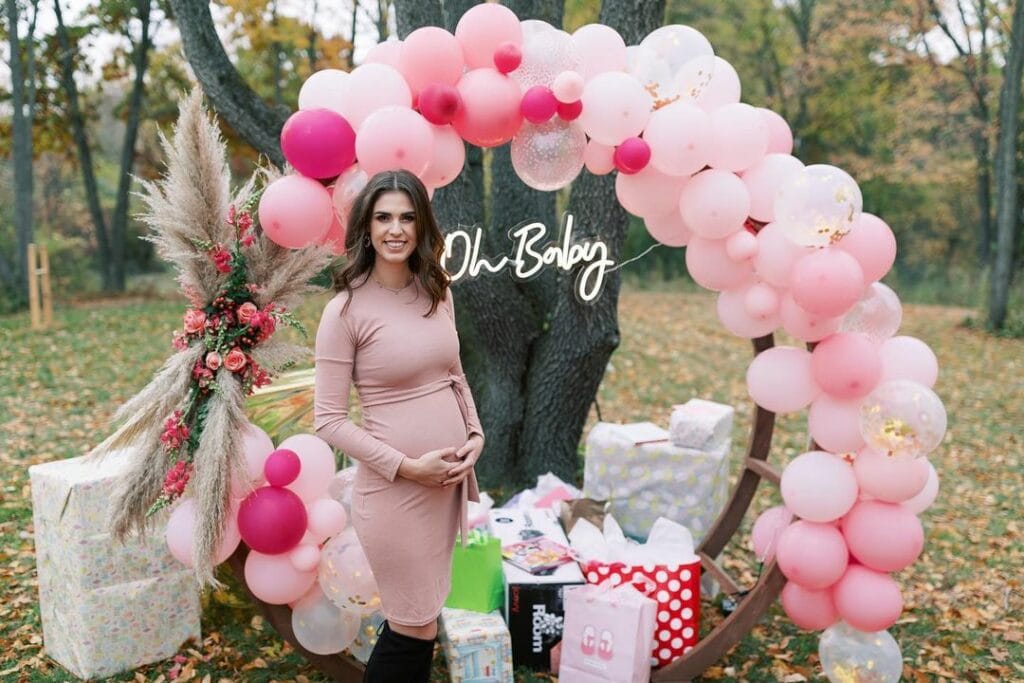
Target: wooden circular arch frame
{"type": "Point", "coordinates": [710, 649]}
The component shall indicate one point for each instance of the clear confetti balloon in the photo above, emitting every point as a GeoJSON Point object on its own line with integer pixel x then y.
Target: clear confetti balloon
{"type": "Point", "coordinates": [677, 44]}
{"type": "Point", "coordinates": [322, 627]}
{"type": "Point", "coordinates": [547, 52]}
{"type": "Point", "coordinates": [548, 156]}
{"type": "Point", "coordinates": [817, 206]}
{"type": "Point", "coordinates": [903, 419]}
{"type": "Point", "coordinates": [851, 656]}
{"type": "Point", "coordinates": [878, 314]}
{"type": "Point", "coordinates": [365, 641]}
{"type": "Point", "coordinates": [345, 574]}
{"type": "Point", "coordinates": [653, 73]}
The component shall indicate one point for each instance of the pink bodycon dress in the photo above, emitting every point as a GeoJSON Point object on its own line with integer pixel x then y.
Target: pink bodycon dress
{"type": "Point", "coordinates": [415, 399]}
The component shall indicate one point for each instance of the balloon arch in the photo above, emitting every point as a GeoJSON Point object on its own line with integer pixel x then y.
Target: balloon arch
{"type": "Point", "coordinates": [785, 245]}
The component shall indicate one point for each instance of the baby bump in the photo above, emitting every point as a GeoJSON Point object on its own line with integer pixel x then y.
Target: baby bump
{"type": "Point", "coordinates": [418, 425]}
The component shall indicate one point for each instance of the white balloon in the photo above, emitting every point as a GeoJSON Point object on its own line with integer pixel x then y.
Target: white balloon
{"type": "Point", "coordinates": [550, 155]}
{"type": "Point", "coordinates": [322, 627]}
{"type": "Point", "coordinates": [848, 655]}
{"type": "Point", "coordinates": [324, 89]}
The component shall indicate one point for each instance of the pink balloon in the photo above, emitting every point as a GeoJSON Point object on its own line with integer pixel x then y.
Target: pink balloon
{"type": "Point", "coordinates": [395, 137]}
{"type": "Point", "coordinates": [867, 600]}
{"type": "Point", "coordinates": [508, 57]}
{"type": "Point", "coordinates": [295, 211]}
{"type": "Point", "coordinates": [282, 467]}
{"type": "Point", "coordinates": [827, 282]}
{"type": "Point", "coordinates": [733, 313]}
{"type": "Point", "coordinates": [599, 159]}
{"type": "Point", "coordinates": [764, 537]}
{"type": "Point", "coordinates": [490, 114]}
{"type": "Point", "coordinates": [327, 517]}
{"type": "Point", "coordinates": [335, 237]}
{"type": "Point", "coordinates": [761, 301]}
{"type": "Point", "coordinates": [669, 229]}
{"type": "Point", "coordinates": [741, 245]}
{"type": "Point", "coordinates": [780, 137]}
{"type": "Point", "coordinates": [567, 87]}
{"type": "Point", "coordinates": [926, 497]}
{"type": "Point", "coordinates": [305, 557]}
{"type": "Point", "coordinates": [803, 325]}
{"type": "Point", "coordinates": [872, 243]}
{"type": "Point", "coordinates": [482, 29]}
{"type": "Point", "coordinates": [345, 189]}
{"type": "Point", "coordinates": [318, 465]}
{"type": "Point", "coordinates": [570, 111]}
{"type": "Point", "coordinates": [680, 138]}
{"type": "Point", "coordinates": [776, 255]}
{"type": "Point", "coordinates": [319, 143]}
{"type": "Point", "coordinates": [632, 155]}
{"type": "Point", "coordinates": [600, 48]}
{"type": "Point", "coordinates": [739, 137]}
{"type": "Point", "coordinates": [274, 580]}
{"type": "Point", "coordinates": [819, 486]}
{"type": "Point", "coordinates": [809, 609]}
{"type": "Point", "coordinates": [710, 266]}
{"type": "Point", "coordinates": [430, 55]}
{"type": "Point", "coordinates": [538, 105]}
{"type": "Point", "coordinates": [724, 86]}
{"type": "Point", "coordinates": [846, 365]}
{"type": "Point", "coordinates": [715, 204]}
{"type": "Point", "coordinates": [371, 87]}
{"type": "Point", "coordinates": [648, 192]}
{"type": "Point", "coordinates": [448, 159]}
{"type": "Point", "coordinates": [256, 446]}
{"type": "Point", "coordinates": [615, 107]}
{"type": "Point", "coordinates": [324, 89]}
{"type": "Point", "coordinates": [763, 180]}
{"type": "Point", "coordinates": [439, 102]}
{"type": "Point", "coordinates": [883, 536]}
{"type": "Point", "coordinates": [835, 425]}
{"type": "Point", "coordinates": [891, 480]}
{"type": "Point", "coordinates": [908, 358]}
{"type": "Point", "coordinates": [779, 379]}
{"type": "Point", "coordinates": [812, 554]}
{"type": "Point", "coordinates": [180, 533]}
{"type": "Point", "coordinates": [272, 520]}
{"type": "Point", "coordinates": [387, 52]}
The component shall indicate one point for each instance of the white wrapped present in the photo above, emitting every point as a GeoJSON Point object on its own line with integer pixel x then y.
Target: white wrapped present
{"type": "Point", "coordinates": [105, 607]}
{"type": "Point", "coordinates": [701, 424]}
{"type": "Point", "coordinates": [477, 645]}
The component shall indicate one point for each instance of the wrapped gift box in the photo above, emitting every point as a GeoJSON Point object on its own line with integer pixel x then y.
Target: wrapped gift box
{"type": "Point", "coordinates": [478, 646]}
{"type": "Point", "coordinates": [105, 607]}
{"type": "Point", "coordinates": [700, 424]}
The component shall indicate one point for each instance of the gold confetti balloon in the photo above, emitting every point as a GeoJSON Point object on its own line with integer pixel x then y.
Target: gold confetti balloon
{"type": "Point", "coordinates": [818, 206]}
{"type": "Point", "coordinates": [345, 575]}
{"type": "Point", "coordinates": [903, 419]}
{"type": "Point", "coordinates": [851, 656]}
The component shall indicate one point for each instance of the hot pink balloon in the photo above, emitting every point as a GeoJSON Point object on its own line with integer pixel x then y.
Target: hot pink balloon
{"type": "Point", "coordinates": [835, 425]}
{"type": "Point", "coordinates": [819, 486]}
{"type": "Point", "coordinates": [180, 533]}
{"type": "Point", "coordinates": [327, 517]}
{"type": "Point", "coordinates": [890, 480]}
{"type": "Point", "coordinates": [490, 114]}
{"type": "Point", "coordinates": [648, 192]}
{"type": "Point", "coordinates": [439, 102]}
{"type": "Point", "coordinates": [305, 557]}
{"type": "Point", "coordinates": [570, 111]}
{"type": "Point", "coordinates": [632, 155]}
{"type": "Point", "coordinates": [780, 137]}
{"type": "Point", "coordinates": [803, 325]}
{"type": "Point", "coordinates": [680, 138]}
{"type": "Point", "coordinates": [776, 255]}
{"type": "Point", "coordinates": [295, 211]}
{"type": "Point", "coordinates": [908, 358]}
{"type": "Point", "coordinates": [741, 245]}
{"type": "Point", "coordinates": [538, 104]}
{"type": "Point", "coordinates": [567, 87]}
{"type": "Point", "coordinates": [599, 159]}
{"type": "Point", "coordinates": [924, 500]}
{"type": "Point", "coordinates": [319, 143]}
{"type": "Point", "coordinates": [274, 580]}
{"type": "Point", "coordinates": [482, 29]}
{"type": "Point", "coordinates": [395, 137]}
{"type": "Point", "coordinates": [764, 537]}
{"type": "Point", "coordinates": [883, 536]}
{"type": "Point", "coordinates": [507, 57]}
{"type": "Point", "coordinates": [733, 314]}
{"type": "Point", "coordinates": [448, 159]}
{"type": "Point", "coordinates": [430, 55]}
{"type": "Point", "coordinates": [318, 465]}
{"type": "Point", "coordinates": [615, 107]}
{"type": "Point", "coordinates": [872, 243]}
{"type": "Point", "coordinates": [812, 554]}
{"type": "Point", "coordinates": [763, 180]}
{"type": "Point", "coordinates": [846, 365]}
{"type": "Point", "coordinates": [669, 229]}
{"type": "Point", "coordinates": [827, 282]}
{"type": "Point", "coordinates": [809, 609]}
{"type": "Point", "coordinates": [779, 379]}
{"type": "Point", "coordinates": [739, 137]}
{"type": "Point", "coordinates": [710, 266]}
{"type": "Point", "coordinates": [370, 87]}
{"type": "Point", "coordinates": [715, 204]}
{"type": "Point", "coordinates": [867, 600]}
{"type": "Point", "coordinates": [282, 467]}
{"type": "Point", "coordinates": [272, 520]}
{"type": "Point", "coordinates": [600, 48]}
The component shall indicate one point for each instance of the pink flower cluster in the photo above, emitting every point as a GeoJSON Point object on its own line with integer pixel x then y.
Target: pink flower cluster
{"type": "Point", "coordinates": [175, 432]}
{"type": "Point", "coordinates": [242, 222]}
{"type": "Point", "coordinates": [176, 479]}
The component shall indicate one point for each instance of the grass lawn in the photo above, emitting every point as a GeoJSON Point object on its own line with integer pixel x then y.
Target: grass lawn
{"type": "Point", "coordinates": [964, 616]}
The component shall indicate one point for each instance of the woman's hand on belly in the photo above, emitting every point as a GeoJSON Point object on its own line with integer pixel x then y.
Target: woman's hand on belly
{"type": "Point", "coordinates": [468, 454]}
{"type": "Point", "coordinates": [430, 469]}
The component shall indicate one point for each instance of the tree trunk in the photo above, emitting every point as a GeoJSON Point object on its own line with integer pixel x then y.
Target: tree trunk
{"type": "Point", "coordinates": [1007, 219]}
{"type": "Point", "coordinates": [21, 152]}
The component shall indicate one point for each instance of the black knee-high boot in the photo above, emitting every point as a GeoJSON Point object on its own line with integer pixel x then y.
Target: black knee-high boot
{"type": "Point", "coordinates": [398, 658]}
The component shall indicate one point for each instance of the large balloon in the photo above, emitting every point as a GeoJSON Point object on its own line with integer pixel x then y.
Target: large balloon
{"type": "Point", "coordinates": [550, 155]}
{"type": "Point", "coordinates": [482, 29]}
{"type": "Point", "coordinates": [872, 243]}
{"type": "Point", "coordinates": [763, 180]}
{"type": "Point", "coordinates": [318, 465]}
{"type": "Point", "coordinates": [889, 479]}
{"type": "Point", "coordinates": [885, 537]}
{"type": "Point", "coordinates": [835, 424]}
{"type": "Point", "coordinates": [812, 554]}
{"type": "Point", "coordinates": [851, 656]}
{"type": "Point", "coordinates": [430, 55]}
{"type": "Point", "coordinates": [371, 87]}
{"type": "Point", "coordinates": [739, 137]}
{"type": "Point", "coordinates": [846, 365]}
{"type": "Point", "coordinates": [600, 49]}
{"type": "Point", "coordinates": [827, 282]}
{"type": "Point", "coordinates": [903, 419]}
{"type": "Point", "coordinates": [818, 205]}
{"type": "Point", "coordinates": [272, 520]}
{"type": "Point", "coordinates": [867, 600]}
{"type": "Point", "coordinates": [649, 192]}
{"type": "Point", "coordinates": [715, 204]}
{"type": "Point", "coordinates": [295, 211]}
{"type": "Point", "coordinates": [819, 486]}
{"type": "Point", "coordinates": [324, 88]}
{"type": "Point", "coordinates": [615, 107]}
{"type": "Point", "coordinates": [448, 158]}
{"type": "Point", "coordinates": [395, 137]}
{"type": "Point", "coordinates": [764, 537]}
{"type": "Point", "coordinates": [780, 379]}
{"type": "Point", "coordinates": [547, 53]}
{"type": "Point", "coordinates": [319, 143]}
{"type": "Point", "coordinates": [345, 575]}
{"type": "Point", "coordinates": [322, 627]}
{"type": "Point", "coordinates": [810, 609]}
{"type": "Point", "coordinates": [908, 358]}
{"type": "Point", "coordinates": [180, 533]}
{"type": "Point", "coordinates": [710, 266]}
{"type": "Point", "coordinates": [490, 113]}
{"type": "Point", "coordinates": [680, 138]}
{"type": "Point", "coordinates": [274, 580]}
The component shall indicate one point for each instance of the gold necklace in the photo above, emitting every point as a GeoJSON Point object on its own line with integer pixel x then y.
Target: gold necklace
{"type": "Point", "coordinates": [391, 289]}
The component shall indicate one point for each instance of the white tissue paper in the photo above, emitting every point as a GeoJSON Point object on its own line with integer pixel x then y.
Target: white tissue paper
{"type": "Point", "coordinates": [549, 489]}
{"type": "Point", "coordinates": [668, 543]}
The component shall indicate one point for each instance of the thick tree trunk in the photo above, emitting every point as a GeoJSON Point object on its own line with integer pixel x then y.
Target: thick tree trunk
{"type": "Point", "coordinates": [21, 152]}
{"type": "Point", "coordinates": [983, 189]}
{"type": "Point", "coordinates": [1007, 218]}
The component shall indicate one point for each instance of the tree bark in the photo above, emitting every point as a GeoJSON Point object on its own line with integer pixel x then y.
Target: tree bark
{"type": "Point", "coordinates": [21, 152]}
{"type": "Point", "coordinates": [1007, 218]}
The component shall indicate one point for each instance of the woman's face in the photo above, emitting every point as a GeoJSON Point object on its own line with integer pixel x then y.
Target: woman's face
{"type": "Point", "coordinates": [393, 227]}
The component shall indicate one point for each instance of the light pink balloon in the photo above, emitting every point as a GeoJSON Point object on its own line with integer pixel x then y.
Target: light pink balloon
{"type": "Point", "coordinates": [741, 245]}
{"type": "Point", "coordinates": [924, 500]}
{"type": "Point", "coordinates": [803, 325]}
{"type": "Point", "coordinates": [274, 580]}
{"type": "Point", "coordinates": [779, 379]}
{"type": "Point", "coordinates": [295, 211]}
{"type": "Point", "coordinates": [256, 446]}
{"type": "Point", "coordinates": [180, 533]}
{"type": "Point", "coordinates": [668, 229]}
{"type": "Point", "coordinates": [395, 137]}
{"type": "Point", "coordinates": [387, 52]}
{"type": "Point", "coordinates": [599, 159]}
{"type": "Point", "coordinates": [305, 557]}
{"type": "Point", "coordinates": [567, 87]}
{"type": "Point", "coordinates": [890, 480]}
{"type": "Point", "coordinates": [448, 158]}
{"type": "Point", "coordinates": [809, 609]}
{"type": "Point", "coordinates": [908, 358]}
{"type": "Point", "coordinates": [846, 365]}
{"type": "Point", "coordinates": [776, 255]}
{"type": "Point", "coordinates": [780, 137]}
{"type": "Point", "coordinates": [680, 138]}
{"type": "Point", "coordinates": [763, 180]}
{"type": "Point", "coordinates": [739, 137]}
{"type": "Point", "coordinates": [615, 107]}
{"type": "Point", "coordinates": [490, 114]}
{"type": "Point", "coordinates": [733, 314]}
{"type": "Point", "coordinates": [371, 87]}
{"type": "Point", "coordinates": [827, 282]}
{"type": "Point", "coordinates": [345, 189]}
{"type": "Point", "coordinates": [867, 600]}
{"type": "Point", "coordinates": [430, 55]}
{"type": "Point", "coordinates": [872, 243]}
{"type": "Point", "coordinates": [883, 536]}
{"type": "Point", "coordinates": [649, 192]}
{"type": "Point", "coordinates": [335, 237]}
{"type": "Point", "coordinates": [324, 88]}
{"type": "Point", "coordinates": [318, 467]}
{"type": "Point", "coordinates": [812, 554]}
{"type": "Point", "coordinates": [764, 537]}
{"type": "Point", "coordinates": [327, 517]}
{"type": "Point", "coordinates": [715, 204]}
{"type": "Point", "coordinates": [710, 266]}
{"type": "Point", "coordinates": [600, 48]}
{"type": "Point", "coordinates": [482, 29]}
{"type": "Point", "coordinates": [819, 486]}
{"type": "Point", "coordinates": [835, 425]}
{"type": "Point", "coordinates": [723, 86]}
{"type": "Point", "coordinates": [760, 300]}
{"type": "Point", "coordinates": [878, 314]}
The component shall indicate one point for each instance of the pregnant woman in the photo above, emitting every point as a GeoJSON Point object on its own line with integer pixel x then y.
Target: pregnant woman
{"type": "Point", "coordinates": [390, 329]}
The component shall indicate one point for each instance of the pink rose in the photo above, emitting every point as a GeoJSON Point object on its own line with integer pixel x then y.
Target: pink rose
{"type": "Point", "coordinates": [235, 360]}
{"type": "Point", "coordinates": [194, 321]}
{"type": "Point", "coordinates": [221, 259]}
{"type": "Point", "coordinates": [213, 360]}
{"type": "Point", "coordinates": [245, 312]}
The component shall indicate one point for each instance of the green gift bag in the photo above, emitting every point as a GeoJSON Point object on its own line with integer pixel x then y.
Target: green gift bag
{"type": "Point", "coordinates": [478, 583]}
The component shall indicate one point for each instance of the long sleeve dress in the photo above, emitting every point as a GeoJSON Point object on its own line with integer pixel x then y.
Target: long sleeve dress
{"type": "Point", "coordinates": [415, 399]}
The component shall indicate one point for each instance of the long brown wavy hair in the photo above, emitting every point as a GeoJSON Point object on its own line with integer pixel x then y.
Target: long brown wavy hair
{"type": "Point", "coordinates": [424, 262]}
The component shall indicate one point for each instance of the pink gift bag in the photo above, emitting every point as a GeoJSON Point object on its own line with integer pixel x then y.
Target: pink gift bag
{"type": "Point", "coordinates": [607, 635]}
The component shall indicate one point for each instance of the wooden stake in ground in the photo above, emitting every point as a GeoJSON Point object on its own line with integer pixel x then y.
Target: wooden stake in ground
{"type": "Point", "coordinates": [39, 287]}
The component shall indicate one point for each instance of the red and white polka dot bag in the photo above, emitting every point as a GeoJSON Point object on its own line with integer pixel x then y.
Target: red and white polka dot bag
{"type": "Point", "coordinates": [676, 589]}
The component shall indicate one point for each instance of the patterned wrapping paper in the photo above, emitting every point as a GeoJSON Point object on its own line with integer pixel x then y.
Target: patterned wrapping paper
{"type": "Point", "coordinates": [478, 646]}
{"type": "Point", "coordinates": [701, 424]}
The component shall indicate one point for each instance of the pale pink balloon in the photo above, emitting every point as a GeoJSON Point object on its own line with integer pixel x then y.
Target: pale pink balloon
{"type": "Point", "coordinates": [324, 88]}
{"type": "Point", "coordinates": [867, 600]}
{"type": "Point", "coordinates": [615, 107]}
{"type": "Point", "coordinates": [710, 81]}
{"type": "Point", "coordinates": [908, 358]}
{"type": "Point", "coordinates": [846, 365]}
{"type": "Point", "coordinates": [710, 266]}
{"type": "Point", "coordinates": [600, 48]}
{"type": "Point", "coordinates": [482, 29]}
{"type": "Point", "coordinates": [764, 537]}
{"type": "Point", "coordinates": [926, 497]}
{"type": "Point", "coordinates": [430, 55]}
{"type": "Point", "coordinates": [819, 486]}
{"type": "Point", "coordinates": [274, 580]}
{"type": "Point", "coordinates": [715, 204]}
{"type": "Point", "coordinates": [180, 533]}
{"type": "Point", "coordinates": [599, 159]}
{"type": "Point", "coordinates": [779, 379]}
{"type": "Point", "coordinates": [883, 536]}
{"type": "Point", "coordinates": [835, 425]}
{"type": "Point", "coordinates": [448, 158]}
{"type": "Point", "coordinates": [878, 314]}
{"type": "Point", "coordinates": [801, 324]}
{"type": "Point", "coordinates": [827, 282]}
{"type": "Point", "coordinates": [741, 245]}
{"type": "Point", "coordinates": [890, 480]}
{"type": "Point", "coordinates": [327, 517]}
{"type": "Point", "coordinates": [812, 554]}
{"type": "Point", "coordinates": [387, 52]}
{"type": "Point", "coordinates": [490, 114]}
{"type": "Point", "coordinates": [295, 211]}
{"type": "Point", "coordinates": [371, 87]}
{"type": "Point", "coordinates": [680, 138]}
{"type": "Point", "coordinates": [780, 137]}
{"type": "Point", "coordinates": [256, 446]}
{"type": "Point", "coordinates": [318, 466]}
{"type": "Point", "coordinates": [395, 137]}
{"type": "Point", "coordinates": [345, 189]}
{"type": "Point", "coordinates": [763, 180]}
{"type": "Point", "coordinates": [335, 237]}
{"type": "Point", "coordinates": [734, 316]}
{"type": "Point", "coordinates": [668, 229]}
{"type": "Point", "coordinates": [567, 87]}
{"type": "Point", "coordinates": [761, 300]}
{"type": "Point", "coordinates": [305, 557]}
{"type": "Point", "coordinates": [776, 255]}
{"type": "Point", "coordinates": [872, 243]}
{"type": "Point", "coordinates": [649, 192]}
{"type": "Point", "coordinates": [809, 609]}
{"type": "Point", "coordinates": [739, 137]}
